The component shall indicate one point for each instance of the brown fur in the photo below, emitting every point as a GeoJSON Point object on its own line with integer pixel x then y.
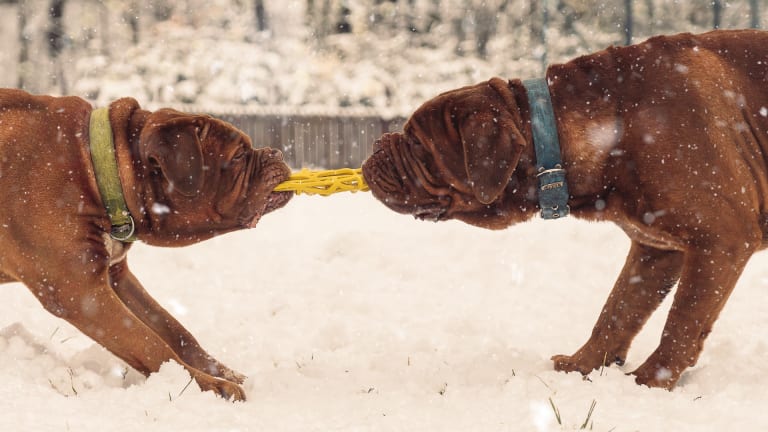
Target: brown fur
{"type": "Point", "coordinates": [666, 138]}
{"type": "Point", "coordinates": [185, 178]}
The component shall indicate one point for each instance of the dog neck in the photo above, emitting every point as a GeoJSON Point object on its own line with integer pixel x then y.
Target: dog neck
{"type": "Point", "coordinates": [553, 188]}
{"type": "Point", "coordinates": [590, 130]}
{"type": "Point", "coordinates": [127, 121]}
{"type": "Point", "coordinates": [107, 177]}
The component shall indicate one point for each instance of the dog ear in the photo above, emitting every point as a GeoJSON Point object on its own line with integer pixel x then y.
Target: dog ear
{"type": "Point", "coordinates": [174, 146]}
{"type": "Point", "coordinates": [491, 142]}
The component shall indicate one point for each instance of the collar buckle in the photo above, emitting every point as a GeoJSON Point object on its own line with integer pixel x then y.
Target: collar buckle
{"type": "Point", "coordinates": [553, 193]}
{"type": "Point", "coordinates": [125, 232]}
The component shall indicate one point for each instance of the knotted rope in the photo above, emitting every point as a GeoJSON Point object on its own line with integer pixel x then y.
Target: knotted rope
{"type": "Point", "coordinates": [325, 182]}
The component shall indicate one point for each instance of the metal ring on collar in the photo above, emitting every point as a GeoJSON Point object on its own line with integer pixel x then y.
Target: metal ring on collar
{"type": "Point", "coordinates": [123, 232]}
{"type": "Point", "coordinates": [549, 171]}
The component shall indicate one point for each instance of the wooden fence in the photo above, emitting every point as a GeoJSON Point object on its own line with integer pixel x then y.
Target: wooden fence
{"type": "Point", "coordinates": [314, 140]}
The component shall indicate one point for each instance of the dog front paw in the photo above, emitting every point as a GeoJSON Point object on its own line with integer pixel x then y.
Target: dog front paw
{"type": "Point", "coordinates": [226, 389]}
{"type": "Point", "coordinates": [219, 370]}
{"type": "Point", "coordinates": [234, 376]}
{"type": "Point", "coordinates": [656, 373]}
{"type": "Point", "coordinates": [564, 363]}
{"type": "Point", "coordinates": [584, 363]}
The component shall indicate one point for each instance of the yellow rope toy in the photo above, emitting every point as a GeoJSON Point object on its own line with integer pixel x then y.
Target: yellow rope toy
{"type": "Point", "coordinates": [324, 182]}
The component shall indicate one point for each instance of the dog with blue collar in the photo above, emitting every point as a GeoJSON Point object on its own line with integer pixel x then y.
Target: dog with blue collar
{"type": "Point", "coordinates": [667, 139]}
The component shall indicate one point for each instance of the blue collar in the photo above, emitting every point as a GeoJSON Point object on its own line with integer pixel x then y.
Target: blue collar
{"type": "Point", "coordinates": [553, 189]}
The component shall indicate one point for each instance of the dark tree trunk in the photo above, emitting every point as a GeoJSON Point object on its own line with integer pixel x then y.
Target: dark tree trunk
{"type": "Point", "coordinates": [487, 24]}
{"type": "Point", "coordinates": [131, 16]}
{"type": "Point", "coordinates": [105, 33]}
{"type": "Point", "coordinates": [485, 27]}
{"type": "Point", "coordinates": [343, 24]}
{"type": "Point", "coordinates": [717, 12]}
{"type": "Point", "coordinates": [325, 18]}
{"type": "Point", "coordinates": [23, 45]}
{"type": "Point", "coordinates": [649, 6]}
{"type": "Point", "coordinates": [161, 9]}
{"type": "Point", "coordinates": [461, 35]}
{"type": "Point", "coordinates": [434, 16]}
{"type": "Point", "coordinates": [544, 26]}
{"type": "Point", "coordinates": [55, 38]}
{"type": "Point", "coordinates": [310, 11]}
{"type": "Point", "coordinates": [628, 18]}
{"type": "Point", "coordinates": [535, 22]}
{"type": "Point", "coordinates": [570, 16]}
{"type": "Point", "coordinates": [55, 32]}
{"type": "Point", "coordinates": [754, 14]}
{"type": "Point", "coordinates": [261, 16]}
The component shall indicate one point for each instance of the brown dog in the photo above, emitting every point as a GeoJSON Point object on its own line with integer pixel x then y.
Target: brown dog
{"type": "Point", "coordinates": [667, 139]}
{"type": "Point", "coordinates": [185, 178]}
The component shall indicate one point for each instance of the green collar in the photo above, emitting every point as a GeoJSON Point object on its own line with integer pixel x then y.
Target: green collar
{"type": "Point", "coordinates": [105, 169]}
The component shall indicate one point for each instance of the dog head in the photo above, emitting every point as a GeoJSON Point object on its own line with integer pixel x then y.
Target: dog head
{"type": "Point", "coordinates": [204, 177]}
{"type": "Point", "coordinates": [454, 159]}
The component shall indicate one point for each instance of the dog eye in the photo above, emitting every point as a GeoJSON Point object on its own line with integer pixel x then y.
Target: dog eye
{"type": "Point", "coordinates": [239, 155]}
{"type": "Point", "coordinates": [418, 150]}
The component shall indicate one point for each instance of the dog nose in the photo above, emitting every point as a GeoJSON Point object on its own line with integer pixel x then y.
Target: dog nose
{"type": "Point", "coordinates": [379, 143]}
{"type": "Point", "coordinates": [275, 154]}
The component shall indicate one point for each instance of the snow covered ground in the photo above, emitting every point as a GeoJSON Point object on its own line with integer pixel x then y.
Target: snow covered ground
{"type": "Point", "coordinates": [348, 317]}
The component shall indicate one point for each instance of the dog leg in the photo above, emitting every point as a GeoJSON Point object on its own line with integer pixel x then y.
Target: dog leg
{"type": "Point", "coordinates": [648, 275]}
{"type": "Point", "coordinates": [151, 313]}
{"type": "Point", "coordinates": [87, 302]}
{"type": "Point", "coordinates": [707, 281]}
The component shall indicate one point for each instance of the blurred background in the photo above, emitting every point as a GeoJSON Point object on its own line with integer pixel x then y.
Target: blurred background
{"type": "Point", "coordinates": [319, 79]}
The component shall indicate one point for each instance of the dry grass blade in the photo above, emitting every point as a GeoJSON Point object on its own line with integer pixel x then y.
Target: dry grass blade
{"type": "Point", "coordinates": [589, 414]}
{"type": "Point", "coordinates": [556, 411]}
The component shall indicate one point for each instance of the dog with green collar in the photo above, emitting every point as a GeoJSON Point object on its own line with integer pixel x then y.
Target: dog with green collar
{"type": "Point", "coordinates": [78, 186]}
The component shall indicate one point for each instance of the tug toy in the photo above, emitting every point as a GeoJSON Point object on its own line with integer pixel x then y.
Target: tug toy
{"type": "Point", "coordinates": [324, 182]}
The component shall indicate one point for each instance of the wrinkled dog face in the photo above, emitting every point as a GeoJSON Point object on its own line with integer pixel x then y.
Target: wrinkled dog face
{"type": "Point", "coordinates": [400, 174]}
{"type": "Point", "coordinates": [454, 158]}
{"type": "Point", "coordinates": [207, 179]}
